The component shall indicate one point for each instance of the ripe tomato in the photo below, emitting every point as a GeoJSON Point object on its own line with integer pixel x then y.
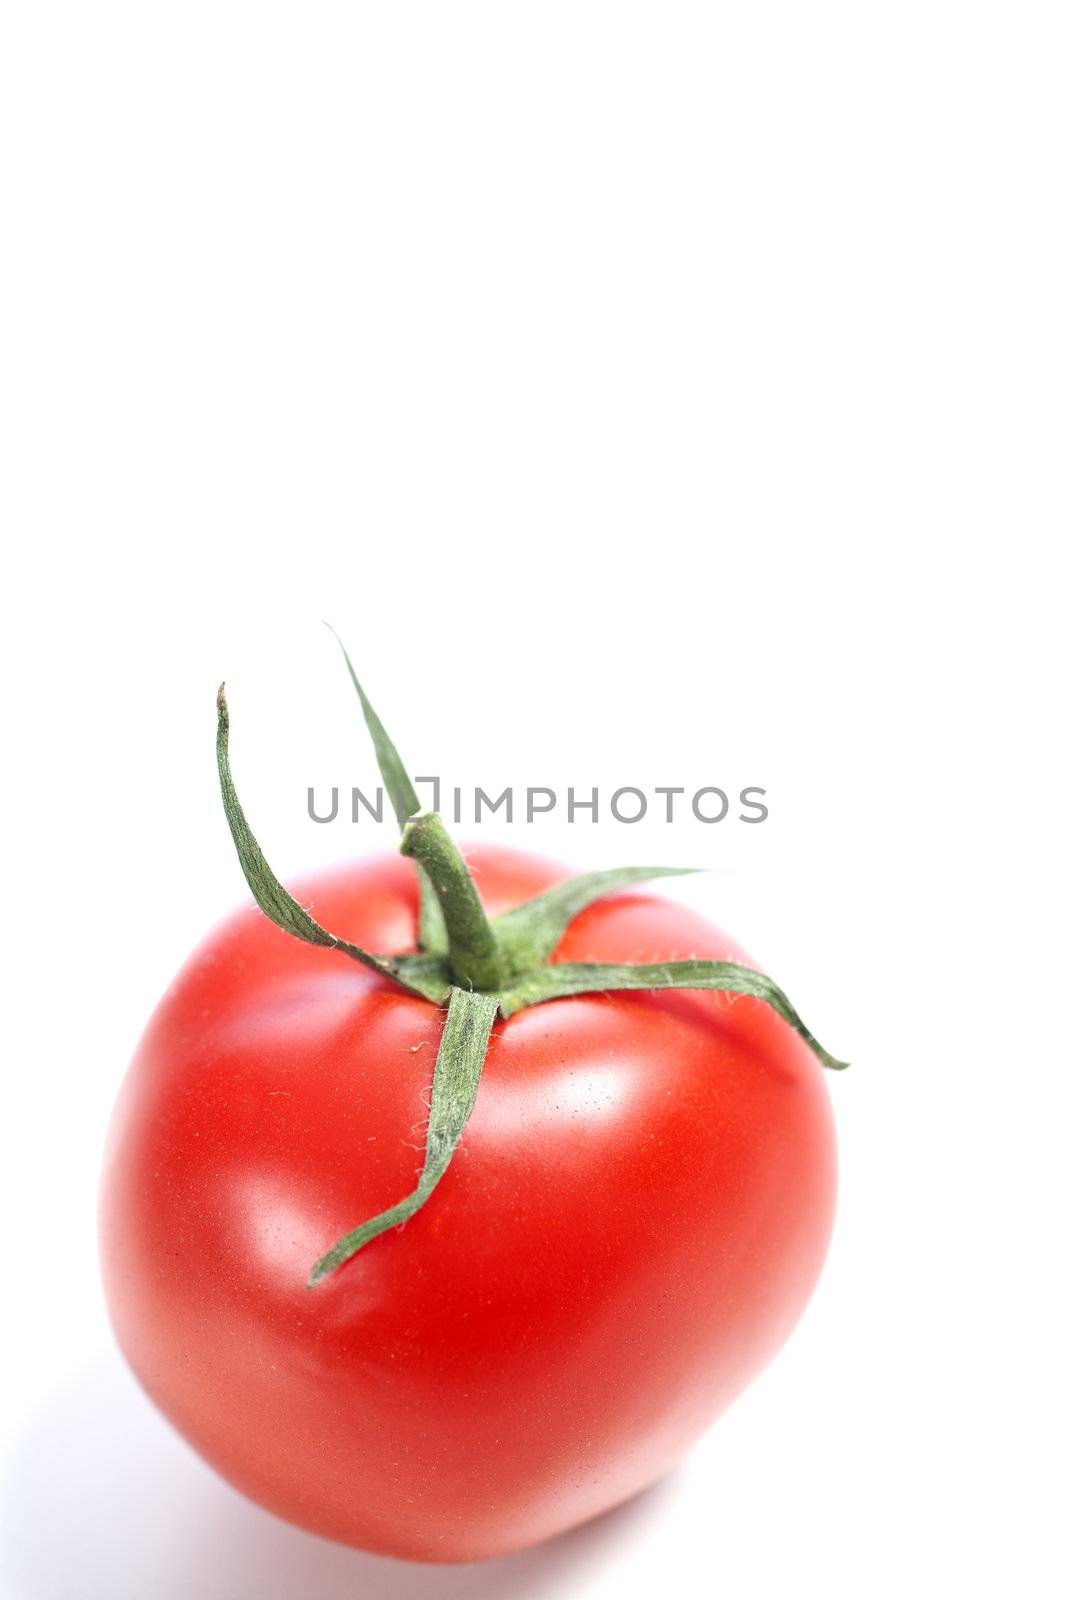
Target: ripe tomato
{"type": "Point", "coordinates": [634, 1219]}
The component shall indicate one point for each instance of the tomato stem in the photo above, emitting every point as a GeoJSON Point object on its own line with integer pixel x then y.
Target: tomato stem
{"type": "Point", "coordinates": [474, 954]}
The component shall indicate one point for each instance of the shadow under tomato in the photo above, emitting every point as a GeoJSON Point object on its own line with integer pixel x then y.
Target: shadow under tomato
{"type": "Point", "coordinates": [105, 1502]}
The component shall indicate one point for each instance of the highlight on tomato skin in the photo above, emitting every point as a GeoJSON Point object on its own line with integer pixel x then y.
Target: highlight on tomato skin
{"type": "Point", "coordinates": [449, 1218]}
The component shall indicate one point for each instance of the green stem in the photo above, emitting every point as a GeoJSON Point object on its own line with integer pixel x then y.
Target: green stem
{"type": "Point", "coordinates": [474, 954]}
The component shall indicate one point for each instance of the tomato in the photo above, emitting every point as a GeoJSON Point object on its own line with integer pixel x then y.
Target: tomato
{"type": "Point", "coordinates": [635, 1217]}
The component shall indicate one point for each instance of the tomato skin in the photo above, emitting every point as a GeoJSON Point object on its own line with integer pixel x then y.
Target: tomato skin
{"type": "Point", "coordinates": [635, 1218]}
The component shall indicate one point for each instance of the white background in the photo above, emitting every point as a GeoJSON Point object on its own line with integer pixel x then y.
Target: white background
{"type": "Point", "coordinates": [651, 394]}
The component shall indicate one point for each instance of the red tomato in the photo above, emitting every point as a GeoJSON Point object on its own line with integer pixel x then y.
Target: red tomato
{"type": "Point", "coordinates": [634, 1220]}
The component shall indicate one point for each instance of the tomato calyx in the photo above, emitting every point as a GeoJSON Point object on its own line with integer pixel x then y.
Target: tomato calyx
{"type": "Point", "coordinates": [483, 969]}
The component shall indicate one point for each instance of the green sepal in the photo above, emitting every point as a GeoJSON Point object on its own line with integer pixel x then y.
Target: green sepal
{"type": "Point", "coordinates": [557, 982]}
{"type": "Point", "coordinates": [405, 803]}
{"type": "Point", "coordinates": [529, 933]}
{"type": "Point", "coordinates": [426, 975]}
{"type": "Point", "coordinates": [278, 904]}
{"type": "Point", "coordinates": [456, 1075]}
